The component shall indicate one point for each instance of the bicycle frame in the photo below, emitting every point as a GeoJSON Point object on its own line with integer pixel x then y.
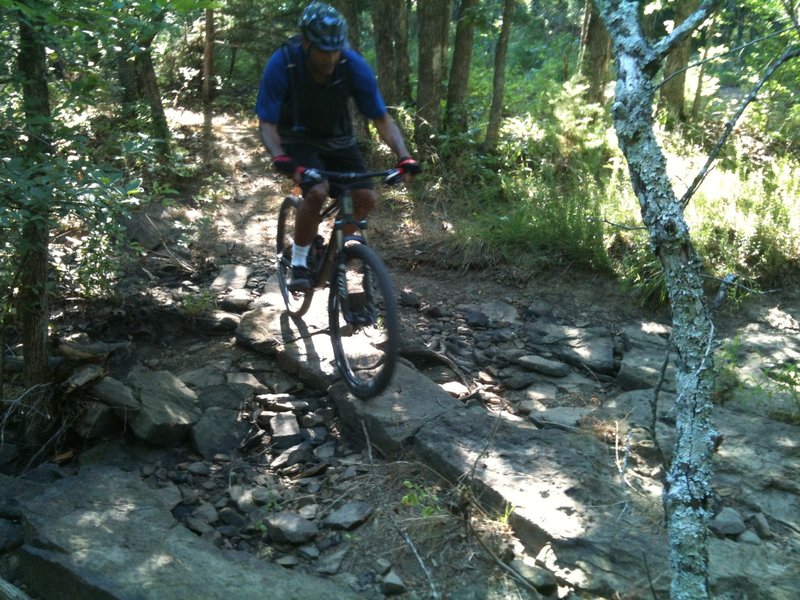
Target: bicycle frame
{"type": "Point", "coordinates": [341, 204]}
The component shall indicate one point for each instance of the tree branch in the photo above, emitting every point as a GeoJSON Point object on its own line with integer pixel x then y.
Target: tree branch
{"type": "Point", "coordinates": [685, 29]}
{"type": "Point", "coordinates": [793, 13]}
{"type": "Point", "coordinates": [788, 55]}
{"type": "Point", "coordinates": [731, 51]}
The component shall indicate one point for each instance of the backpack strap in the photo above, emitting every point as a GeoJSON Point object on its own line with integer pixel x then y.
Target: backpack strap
{"type": "Point", "coordinates": [294, 82]}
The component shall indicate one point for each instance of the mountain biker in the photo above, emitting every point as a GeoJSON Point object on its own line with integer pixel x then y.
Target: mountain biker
{"type": "Point", "coordinates": [305, 122]}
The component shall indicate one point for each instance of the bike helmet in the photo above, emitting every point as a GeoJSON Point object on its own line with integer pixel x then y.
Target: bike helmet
{"type": "Point", "coordinates": [324, 27]}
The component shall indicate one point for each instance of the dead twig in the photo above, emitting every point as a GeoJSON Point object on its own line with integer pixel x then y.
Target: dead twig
{"type": "Point", "coordinates": [489, 439]}
{"type": "Point", "coordinates": [410, 543]}
{"type": "Point", "coordinates": [366, 439]}
{"type": "Point", "coordinates": [518, 577]}
{"type": "Point", "coordinates": [622, 464]}
{"type": "Point", "coordinates": [170, 254]}
{"type": "Point", "coordinates": [11, 592]}
{"type": "Point", "coordinates": [410, 353]}
{"type": "Point", "coordinates": [654, 412]}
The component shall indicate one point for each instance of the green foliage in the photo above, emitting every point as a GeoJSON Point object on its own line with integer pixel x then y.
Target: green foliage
{"type": "Point", "coordinates": [774, 387]}
{"type": "Point", "coordinates": [86, 205]}
{"type": "Point", "coordinates": [101, 155]}
{"type": "Point", "coordinates": [247, 33]}
{"type": "Point", "coordinates": [538, 199]}
{"type": "Point", "coordinates": [639, 269]}
{"type": "Point", "coordinates": [197, 305]}
{"type": "Point", "coordinates": [423, 499]}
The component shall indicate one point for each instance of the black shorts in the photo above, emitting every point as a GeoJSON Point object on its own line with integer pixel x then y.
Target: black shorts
{"type": "Point", "coordinates": [346, 160]}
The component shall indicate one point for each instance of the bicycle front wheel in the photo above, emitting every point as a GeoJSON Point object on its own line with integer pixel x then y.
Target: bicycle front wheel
{"type": "Point", "coordinates": [364, 320]}
{"type": "Point", "coordinates": [297, 303]}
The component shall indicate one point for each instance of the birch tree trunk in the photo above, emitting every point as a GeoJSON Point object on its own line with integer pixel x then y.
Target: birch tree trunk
{"type": "Point", "coordinates": [687, 490]}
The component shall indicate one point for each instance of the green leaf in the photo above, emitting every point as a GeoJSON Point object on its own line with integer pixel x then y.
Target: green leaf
{"type": "Point", "coordinates": [133, 186]}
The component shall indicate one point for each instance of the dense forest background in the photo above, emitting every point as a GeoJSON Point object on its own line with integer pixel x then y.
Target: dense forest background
{"type": "Point", "coordinates": [508, 103]}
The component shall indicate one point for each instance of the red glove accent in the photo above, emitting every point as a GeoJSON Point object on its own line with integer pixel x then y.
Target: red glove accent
{"type": "Point", "coordinates": [284, 164]}
{"type": "Point", "coordinates": [409, 165]}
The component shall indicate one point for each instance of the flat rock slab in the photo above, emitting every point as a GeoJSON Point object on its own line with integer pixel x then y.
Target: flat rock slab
{"type": "Point", "coordinates": [571, 507]}
{"type": "Point", "coordinates": [104, 534]}
{"type": "Point", "coordinates": [299, 344]}
{"type": "Point", "coordinates": [395, 417]}
{"type": "Point", "coordinates": [231, 277]}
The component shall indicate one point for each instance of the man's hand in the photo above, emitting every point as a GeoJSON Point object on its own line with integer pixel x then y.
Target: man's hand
{"type": "Point", "coordinates": [409, 165]}
{"type": "Point", "coordinates": [284, 164]}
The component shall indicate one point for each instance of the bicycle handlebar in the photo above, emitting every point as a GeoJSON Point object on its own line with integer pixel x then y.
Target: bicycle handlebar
{"type": "Point", "coordinates": [390, 176]}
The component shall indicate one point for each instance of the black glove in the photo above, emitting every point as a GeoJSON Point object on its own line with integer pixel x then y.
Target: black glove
{"type": "Point", "coordinates": [409, 165]}
{"type": "Point", "coordinates": [284, 164]}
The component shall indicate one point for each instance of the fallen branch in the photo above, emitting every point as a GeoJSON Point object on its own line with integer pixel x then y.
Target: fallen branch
{"type": "Point", "coordinates": [410, 543]}
{"type": "Point", "coordinates": [410, 353]}
{"type": "Point", "coordinates": [622, 465]}
{"type": "Point", "coordinates": [507, 568]}
{"type": "Point", "coordinates": [11, 592]}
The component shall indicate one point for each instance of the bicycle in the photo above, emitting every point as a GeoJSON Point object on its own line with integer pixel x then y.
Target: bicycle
{"type": "Point", "coordinates": [363, 312]}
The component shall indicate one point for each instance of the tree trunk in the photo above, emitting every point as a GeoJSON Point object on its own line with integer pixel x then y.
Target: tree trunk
{"type": "Point", "coordinates": [434, 16]}
{"type": "Point", "coordinates": [390, 32]}
{"type": "Point", "coordinates": [148, 90]}
{"type": "Point", "coordinates": [126, 72]}
{"type": "Point", "coordinates": [403, 73]}
{"type": "Point", "coordinates": [384, 26]}
{"type": "Point", "coordinates": [349, 10]}
{"type": "Point", "coordinates": [698, 92]}
{"type": "Point", "coordinates": [456, 115]}
{"type": "Point", "coordinates": [595, 53]}
{"type": "Point", "coordinates": [687, 491]}
{"type": "Point", "coordinates": [138, 81]}
{"type": "Point", "coordinates": [208, 86]}
{"type": "Point", "coordinates": [673, 92]}
{"type": "Point", "coordinates": [208, 60]}
{"type": "Point", "coordinates": [499, 81]}
{"type": "Point", "coordinates": [32, 300]}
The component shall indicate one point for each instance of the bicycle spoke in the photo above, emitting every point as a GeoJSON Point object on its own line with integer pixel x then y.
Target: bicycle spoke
{"type": "Point", "coordinates": [364, 321]}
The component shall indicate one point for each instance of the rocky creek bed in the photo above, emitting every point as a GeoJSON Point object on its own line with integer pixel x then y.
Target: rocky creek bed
{"type": "Point", "coordinates": [500, 410]}
{"type": "Point", "coordinates": [518, 452]}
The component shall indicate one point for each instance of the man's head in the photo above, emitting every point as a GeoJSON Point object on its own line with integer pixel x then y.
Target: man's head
{"type": "Point", "coordinates": [323, 27]}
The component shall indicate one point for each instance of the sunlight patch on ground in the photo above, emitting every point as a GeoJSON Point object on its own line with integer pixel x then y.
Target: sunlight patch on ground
{"type": "Point", "coordinates": [191, 118]}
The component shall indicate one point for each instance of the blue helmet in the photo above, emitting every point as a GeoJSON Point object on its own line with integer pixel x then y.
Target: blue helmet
{"type": "Point", "coordinates": [324, 27]}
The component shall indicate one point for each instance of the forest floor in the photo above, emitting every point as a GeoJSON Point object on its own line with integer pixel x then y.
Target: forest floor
{"type": "Point", "coordinates": [413, 240]}
{"type": "Point", "coordinates": [233, 221]}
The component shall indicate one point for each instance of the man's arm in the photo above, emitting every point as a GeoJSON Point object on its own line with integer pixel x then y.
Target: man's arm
{"type": "Point", "coordinates": [390, 133]}
{"type": "Point", "coordinates": [281, 162]}
{"type": "Point", "coordinates": [271, 139]}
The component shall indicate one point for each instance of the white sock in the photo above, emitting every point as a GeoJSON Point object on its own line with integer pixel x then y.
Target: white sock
{"type": "Point", "coordinates": [299, 255]}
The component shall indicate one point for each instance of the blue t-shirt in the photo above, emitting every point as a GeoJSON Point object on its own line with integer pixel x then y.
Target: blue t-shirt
{"type": "Point", "coordinates": [308, 112]}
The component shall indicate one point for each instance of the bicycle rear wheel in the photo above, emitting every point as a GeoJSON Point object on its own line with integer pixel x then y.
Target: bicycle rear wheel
{"type": "Point", "coordinates": [366, 338]}
{"type": "Point", "coordinates": [297, 303]}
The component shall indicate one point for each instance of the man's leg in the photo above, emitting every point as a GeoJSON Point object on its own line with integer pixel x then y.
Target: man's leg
{"type": "Point", "coordinates": [364, 201]}
{"type": "Point", "coordinates": [305, 229]}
